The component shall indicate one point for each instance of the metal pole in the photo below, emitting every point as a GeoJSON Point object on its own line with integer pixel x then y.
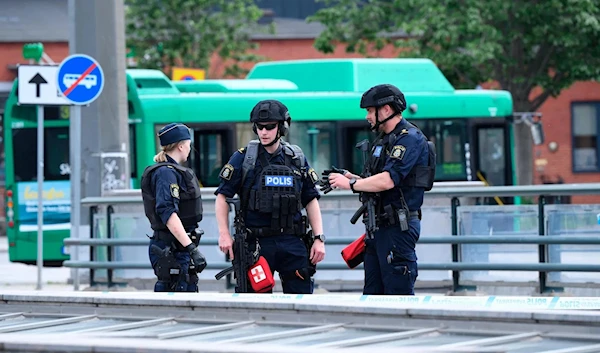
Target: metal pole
{"type": "Point", "coordinates": [75, 162]}
{"type": "Point", "coordinates": [40, 180]}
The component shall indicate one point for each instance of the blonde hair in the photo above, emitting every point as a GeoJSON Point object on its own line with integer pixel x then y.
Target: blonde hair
{"type": "Point", "coordinates": [162, 155]}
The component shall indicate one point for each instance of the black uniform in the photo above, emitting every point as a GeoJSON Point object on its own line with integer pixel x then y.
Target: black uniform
{"type": "Point", "coordinates": [168, 188]}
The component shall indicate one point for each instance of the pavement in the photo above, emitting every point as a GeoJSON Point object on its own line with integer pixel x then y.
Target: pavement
{"type": "Point", "coordinates": [17, 276]}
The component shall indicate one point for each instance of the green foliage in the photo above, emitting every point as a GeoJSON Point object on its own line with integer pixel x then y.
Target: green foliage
{"type": "Point", "coordinates": [165, 32]}
{"type": "Point", "coordinates": [521, 44]}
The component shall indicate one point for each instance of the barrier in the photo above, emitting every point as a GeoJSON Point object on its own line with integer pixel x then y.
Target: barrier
{"type": "Point", "coordinates": [340, 204]}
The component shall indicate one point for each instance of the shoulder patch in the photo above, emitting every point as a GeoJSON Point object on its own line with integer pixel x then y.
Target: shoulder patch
{"type": "Point", "coordinates": [313, 175]}
{"type": "Point", "coordinates": [174, 190]}
{"type": "Point", "coordinates": [226, 172]}
{"type": "Point", "coordinates": [398, 152]}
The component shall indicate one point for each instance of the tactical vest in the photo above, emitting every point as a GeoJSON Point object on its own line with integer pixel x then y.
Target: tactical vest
{"type": "Point", "coordinates": [420, 176]}
{"type": "Point", "coordinates": [190, 200]}
{"type": "Point", "coordinates": [279, 186]}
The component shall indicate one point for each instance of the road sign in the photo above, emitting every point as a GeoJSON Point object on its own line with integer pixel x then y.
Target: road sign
{"type": "Point", "coordinates": [80, 79]}
{"type": "Point", "coordinates": [37, 85]}
{"type": "Point", "coordinates": [187, 74]}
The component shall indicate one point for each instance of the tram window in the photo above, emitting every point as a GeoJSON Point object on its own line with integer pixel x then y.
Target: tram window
{"type": "Point", "coordinates": [57, 112]}
{"type": "Point", "coordinates": [56, 154]}
{"type": "Point", "coordinates": [210, 152]}
{"type": "Point", "coordinates": [449, 137]}
{"type": "Point", "coordinates": [316, 140]}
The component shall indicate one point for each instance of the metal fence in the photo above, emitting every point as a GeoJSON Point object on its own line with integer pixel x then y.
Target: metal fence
{"type": "Point", "coordinates": [464, 243]}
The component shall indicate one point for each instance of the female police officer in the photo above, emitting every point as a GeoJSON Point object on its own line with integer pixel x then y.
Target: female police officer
{"type": "Point", "coordinates": [173, 205]}
{"type": "Point", "coordinates": [403, 169]}
{"type": "Point", "coordinates": [274, 182]}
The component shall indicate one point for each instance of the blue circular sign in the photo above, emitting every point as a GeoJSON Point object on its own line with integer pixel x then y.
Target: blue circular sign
{"type": "Point", "coordinates": [80, 79]}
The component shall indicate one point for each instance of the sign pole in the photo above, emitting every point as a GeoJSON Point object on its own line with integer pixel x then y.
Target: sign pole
{"type": "Point", "coordinates": [80, 80]}
{"type": "Point", "coordinates": [40, 182]}
{"type": "Point", "coordinates": [75, 163]}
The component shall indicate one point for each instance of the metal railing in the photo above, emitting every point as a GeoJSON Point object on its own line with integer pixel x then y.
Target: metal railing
{"type": "Point", "coordinates": [454, 240]}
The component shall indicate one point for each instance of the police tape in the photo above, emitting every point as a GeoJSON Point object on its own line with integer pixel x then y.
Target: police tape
{"type": "Point", "coordinates": [448, 302]}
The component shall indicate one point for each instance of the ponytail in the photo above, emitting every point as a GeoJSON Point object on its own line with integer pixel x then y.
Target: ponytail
{"type": "Point", "coordinates": [162, 155]}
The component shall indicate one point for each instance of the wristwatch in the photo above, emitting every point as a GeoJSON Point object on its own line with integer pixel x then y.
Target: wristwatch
{"type": "Point", "coordinates": [352, 182]}
{"type": "Point", "coordinates": [321, 237]}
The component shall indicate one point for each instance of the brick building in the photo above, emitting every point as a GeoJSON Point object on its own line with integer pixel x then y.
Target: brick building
{"type": "Point", "coordinates": [570, 153]}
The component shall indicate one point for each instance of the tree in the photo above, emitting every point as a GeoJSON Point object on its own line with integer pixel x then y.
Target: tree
{"type": "Point", "coordinates": [532, 48]}
{"type": "Point", "coordinates": [167, 33]}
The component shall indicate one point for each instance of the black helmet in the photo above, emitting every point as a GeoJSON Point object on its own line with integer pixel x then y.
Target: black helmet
{"type": "Point", "coordinates": [380, 95]}
{"type": "Point", "coordinates": [269, 110]}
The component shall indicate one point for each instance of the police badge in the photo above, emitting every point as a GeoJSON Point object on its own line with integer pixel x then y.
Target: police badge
{"type": "Point", "coordinates": [226, 172]}
{"type": "Point", "coordinates": [313, 175]}
{"type": "Point", "coordinates": [398, 152]}
{"type": "Point", "coordinates": [175, 190]}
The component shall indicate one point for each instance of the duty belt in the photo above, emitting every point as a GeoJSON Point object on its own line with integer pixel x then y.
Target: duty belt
{"type": "Point", "coordinates": [166, 236]}
{"type": "Point", "coordinates": [260, 232]}
{"type": "Point", "coordinates": [386, 221]}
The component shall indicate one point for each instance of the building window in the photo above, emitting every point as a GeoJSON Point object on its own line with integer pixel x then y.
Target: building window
{"type": "Point", "coordinates": [585, 136]}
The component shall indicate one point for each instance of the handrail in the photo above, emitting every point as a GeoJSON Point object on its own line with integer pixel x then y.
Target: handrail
{"type": "Point", "coordinates": [448, 191]}
{"type": "Point", "coordinates": [450, 266]}
{"type": "Point", "coordinates": [444, 239]}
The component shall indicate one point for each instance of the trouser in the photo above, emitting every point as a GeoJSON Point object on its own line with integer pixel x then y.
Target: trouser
{"type": "Point", "coordinates": [390, 261]}
{"type": "Point", "coordinates": [286, 254]}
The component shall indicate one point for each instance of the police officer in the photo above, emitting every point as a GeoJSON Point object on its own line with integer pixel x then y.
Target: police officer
{"type": "Point", "coordinates": [274, 182]}
{"type": "Point", "coordinates": [173, 205]}
{"type": "Point", "coordinates": [401, 158]}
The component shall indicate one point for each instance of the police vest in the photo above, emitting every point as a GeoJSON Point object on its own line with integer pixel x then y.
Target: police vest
{"type": "Point", "coordinates": [279, 186]}
{"type": "Point", "coordinates": [420, 176]}
{"type": "Point", "coordinates": [190, 200]}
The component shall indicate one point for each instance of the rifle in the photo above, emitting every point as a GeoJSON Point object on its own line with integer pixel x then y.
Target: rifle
{"type": "Point", "coordinates": [367, 199]}
{"type": "Point", "coordinates": [242, 257]}
{"type": "Point", "coordinates": [308, 240]}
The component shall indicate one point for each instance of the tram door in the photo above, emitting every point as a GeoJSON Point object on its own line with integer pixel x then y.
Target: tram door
{"type": "Point", "coordinates": [492, 157]}
{"type": "Point", "coordinates": [212, 146]}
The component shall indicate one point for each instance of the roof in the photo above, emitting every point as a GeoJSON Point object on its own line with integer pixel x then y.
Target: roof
{"type": "Point", "coordinates": [331, 323]}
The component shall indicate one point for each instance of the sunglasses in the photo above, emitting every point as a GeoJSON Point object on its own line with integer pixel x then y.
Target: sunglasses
{"type": "Point", "coordinates": [267, 126]}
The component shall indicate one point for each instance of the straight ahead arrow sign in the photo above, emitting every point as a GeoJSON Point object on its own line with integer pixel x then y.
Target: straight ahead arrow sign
{"type": "Point", "coordinates": [38, 80]}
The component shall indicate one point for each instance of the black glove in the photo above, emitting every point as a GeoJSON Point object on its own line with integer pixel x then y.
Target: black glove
{"type": "Point", "coordinates": [324, 182]}
{"type": "Point", "coordinates": [197, 258]}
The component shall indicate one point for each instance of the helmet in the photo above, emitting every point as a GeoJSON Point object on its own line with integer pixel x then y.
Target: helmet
{"type": "Point", "coordinates": [380, 95]}
{"type": "Point", "coordinates": [271, 110]}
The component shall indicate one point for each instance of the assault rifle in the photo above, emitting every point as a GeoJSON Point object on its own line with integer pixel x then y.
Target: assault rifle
{"type": "Point", "coordinates": [243, 259]}
{"type": "Point", "coordinates": [367, 210]}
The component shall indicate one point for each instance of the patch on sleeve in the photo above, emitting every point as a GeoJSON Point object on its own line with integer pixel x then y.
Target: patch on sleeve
{"type": "Point", "coordinates": [313, 175]}
{"type": "Point", "coordinates": [175, 190]}
{"type": "Point", "coordinates": [398, 152]}
{"type": "Point", "coordinates": [226, 172]}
